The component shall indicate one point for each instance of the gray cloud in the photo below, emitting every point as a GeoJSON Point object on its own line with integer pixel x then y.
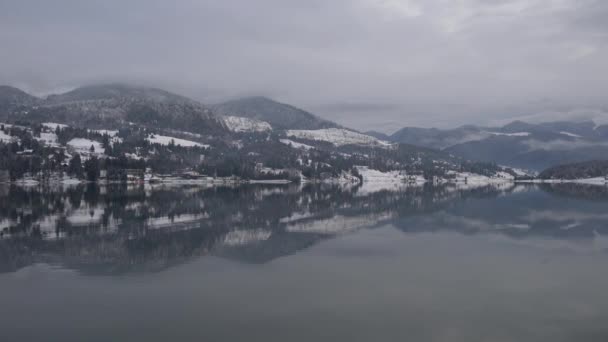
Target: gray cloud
{"type": "Point", "coordinates": [409, 62]}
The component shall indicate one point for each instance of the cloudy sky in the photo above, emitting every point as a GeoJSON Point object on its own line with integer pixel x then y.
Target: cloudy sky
{"type": "Point", "coordinates": [369, 64]}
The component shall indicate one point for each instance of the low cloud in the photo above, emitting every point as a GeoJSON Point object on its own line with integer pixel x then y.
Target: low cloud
{"type": "Point", "coordinates": [420, 62]}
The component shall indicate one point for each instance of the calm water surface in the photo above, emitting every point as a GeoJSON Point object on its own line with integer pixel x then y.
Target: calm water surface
{"type": "Point", "coordinates": [319, 263]}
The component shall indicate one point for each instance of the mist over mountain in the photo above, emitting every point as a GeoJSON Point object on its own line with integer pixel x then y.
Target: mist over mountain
{"type": "Point", "coordinates": [12, 99]}
{"type": "Point", "coordinates": [116, 105]}
{"type": "Point", "coordinates": [518, 144]}
{"type": "Point", "coordinates": [116, 127]}
{"type": "Point", "coordinates": [279, 115]}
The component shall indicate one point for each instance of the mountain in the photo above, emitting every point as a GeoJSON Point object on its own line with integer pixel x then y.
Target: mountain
{"type": "Point", "coordinates": [436, 138]}
{"type": "Point", "coordinates": [117, 91]}
{"type": "Point", "coordinates": [278, 115]}
{"type": "Point", "coordinates": [378, 135]}
{"type": "Point", "coordinates": [12, 99]}
{"type": "Point", "coordinates": [117, 105]}
{"type": "Point", "coordinates": [584, 170]}
{"type": "Point", "coordinates": [517, 144]}
{"type": "Point", "coordinates": [141, 128]}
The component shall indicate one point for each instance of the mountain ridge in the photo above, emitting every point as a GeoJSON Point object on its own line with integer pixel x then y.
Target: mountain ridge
{"type": "Point", "coordinates": [279, 115]}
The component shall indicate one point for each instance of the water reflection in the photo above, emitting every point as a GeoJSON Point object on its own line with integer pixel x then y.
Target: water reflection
{"type": "Point", "coordinates": [119, 229]}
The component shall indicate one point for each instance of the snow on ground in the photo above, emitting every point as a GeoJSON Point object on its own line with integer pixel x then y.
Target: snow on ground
{"type": "Point", "coordinates": [296, 217]}
{"type": "Point", "coordinates": [338, 137]}
{"type": "Point", "coordinates": [113, 134]}
{"type": "Point", "coordinates": [49, 139]}
{"type": "Point", "coordinates": [296, 144]}
{"type": "Point", "coordinates": [570, 134]}
{"type": "Point", "coordinates": [375, 181]}
{"type": "Point", "coordinates": [592, 181]}
{"type": "Point", "coordinates": [53, 125]}
{"type": "Point", "coordinates": [375, 176]}
{"type": "Point", "coordinates": [165, 141]}
{"type": "Point", "coordinates": [83, 146]}
{"type": "Point", "coordinates": [473, 178]}
{"type": "Point", "coordinates": [520, 172]}
{"type": "Point", "coordinates": [108, 132]}
{"type": "Point", "coordinates": [238, 124]}
{"type": "Point", "coordinates": [5, 138]}
{"type": "Point", "coordinates": [589, 181]}
{"type": "Point", "coordinates": [85, 216]}
{"type": "Point", "coordinates": [518, 134]}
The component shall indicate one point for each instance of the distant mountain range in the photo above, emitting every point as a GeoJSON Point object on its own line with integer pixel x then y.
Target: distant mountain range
{"type": "Point", "coordinates": [518, 144]}
{"type": "Point", "coordinates": [251, 138]}
{"type": "Point", "coordinates": [244, 122]}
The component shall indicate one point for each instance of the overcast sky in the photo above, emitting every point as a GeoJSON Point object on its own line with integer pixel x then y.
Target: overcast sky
{"type": "Point", "coordinates": [369, 64]}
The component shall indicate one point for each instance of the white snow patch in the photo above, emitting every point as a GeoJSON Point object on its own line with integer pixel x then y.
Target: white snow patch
{"type": "Point", "coordinates": [49, 139]}
{"type": "Point", "coordinates": [239, 124]}
{"type": "Point", "coordinates": [518, 134]}
{"type": "Point", "coordinates": [296, 144]}
{"type": "Point", "coordinates": [53, 125]}
{"type": "Point", "coordinates": [375, 181]}
{"type": "Point", "coordinates": [85, 216]}
{"type": "Point", "coordinates": [166, 141]}
{"type": "Point", "coordinates": [338, 137]}
{"type": "Point", "coordinates": [245, 237]}
{"type": "Point", "coordinates": [570, 134]}
{"type": "Point", "coordinates": [83, 146]}
{"type": "Point", "coordinates": [5, 138]}
{"type": "Point", "coordinates": [473, 178]}
{"type": "Point", "coordinates": [110, 133]}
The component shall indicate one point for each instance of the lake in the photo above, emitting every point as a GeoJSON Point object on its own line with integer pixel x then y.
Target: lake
{"type": "Point", "coordinates": [312, 263]}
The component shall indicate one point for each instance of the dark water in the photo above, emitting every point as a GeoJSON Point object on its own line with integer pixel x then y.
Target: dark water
{"type": "Point", "coordinates": [319, 263]}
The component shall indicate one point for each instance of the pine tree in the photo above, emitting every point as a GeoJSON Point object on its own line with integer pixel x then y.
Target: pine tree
{"type": "Point", "coordinates": [75, 166]}
{"type": "Point", "coordinates": [91, 168]}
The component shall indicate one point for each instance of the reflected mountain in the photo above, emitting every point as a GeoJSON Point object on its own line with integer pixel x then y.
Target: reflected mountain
{"type": "Point", "coordinates": [120, 230]}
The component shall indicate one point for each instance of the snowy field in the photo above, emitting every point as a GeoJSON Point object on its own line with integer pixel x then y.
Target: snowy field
{"type": "Point", "coordinates": [238, 124]}
{"type": "Point", "coordinates": [296, 145]}
{"type": "Point", "coordinates": [5, 138]}
{"type": "Point", "coordinates": [53, 126]}
{"type": "Point", "coordinates": [166, 141]}
{"type": "Point", "coordinates": [83, 146]}
{"type": "Point", "coordinates": [338, 137]}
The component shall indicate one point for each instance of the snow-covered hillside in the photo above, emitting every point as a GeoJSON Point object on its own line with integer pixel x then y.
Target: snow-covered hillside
{"type": "Point", "coordinates": [5, 138]}
{"type": "Point", "coordinates": [165, 141]}
{"type": "Point", "coordinates": [83, 146]}
{"type": "Point", "coordinates": [239, 124]}
{"type": "Point", "coordinates": [296, 144]}
{"type": "Point", "coordinates": [338, 137]}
